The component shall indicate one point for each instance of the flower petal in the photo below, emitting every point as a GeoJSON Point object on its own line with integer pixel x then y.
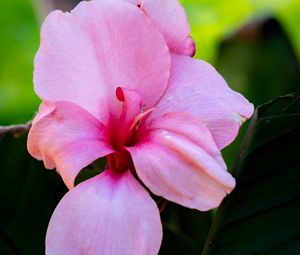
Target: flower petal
{"type": "Point", "coordinates": [171, 19]}
{"type": "Point", "coordinates": [196, 88]}
{"type": "Point", "coordinates": [86, 54]}
{"type": "Point", "coordinates": [110, 214]}
{"type": "Point", "coordinates": [193, 129]}
{"type": "Point", "coordinates": [68, 138]}
{"type": "Point", "coordinates": [174, 167]}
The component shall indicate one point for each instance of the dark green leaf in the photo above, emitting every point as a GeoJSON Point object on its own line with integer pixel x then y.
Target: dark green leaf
{"type": "Point", "coordinates": [259, 61]}
{"type": "Point", "coordinates": [261, 216]}
{"type": "Point", "coordinates": [185, 230]}
{"type": "Point", "coordinates": [28, 194]}
{"type": "Point", "coordinates": [92, 170]}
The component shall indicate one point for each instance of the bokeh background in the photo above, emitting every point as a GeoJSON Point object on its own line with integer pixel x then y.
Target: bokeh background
{"type": "Point", "coordinates": [254, 44]}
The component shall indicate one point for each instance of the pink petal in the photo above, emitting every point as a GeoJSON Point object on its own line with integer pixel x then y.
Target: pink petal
{"type": "Point", "coordinates": [191, 128]}
{"type": "Point", "coordinates": [101, 45]}
{"type": "Point", "coordinates": [171, 19]}
{"type": "Point", "coordinates": [196, 88]}
{"type": "Point", "coordinates": [174, 167]}
{"type": "Point", "coordinates": [110, 214]}
{"type": "Point", "coordinates": [68, 138]}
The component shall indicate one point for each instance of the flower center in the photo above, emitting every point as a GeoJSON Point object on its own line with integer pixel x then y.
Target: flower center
{"type": "Point", "coordinates": [129, 139]}
{"type": "Point", "coordinates": [120, 161]}
{"type": "Point", "coordinates": [123, 128]}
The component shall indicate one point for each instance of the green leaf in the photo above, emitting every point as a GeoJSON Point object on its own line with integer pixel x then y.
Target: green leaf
{"type": "Point", "coordinates": [259, 61]}
{"type": "Point", "coordinates": [261, 216]}
{"type": "Point", "coordinates": [184, 230]}
{"type": "Point", "coordinates": [28, 194]}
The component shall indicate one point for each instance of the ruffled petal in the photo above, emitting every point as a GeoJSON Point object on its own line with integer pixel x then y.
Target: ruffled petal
{"type": "Point", "coordinates": [101, 45]}
{"type": "Point", "coordinates": [110, 214]}
{"type": "Point", "coordinates": [173, 166]}
{"type": "Point", "coordinates": [171, 19]}
{"type": "Point", "coordinates": [196, 88]}
{"type": "Point", "coordinates": [68, 138]}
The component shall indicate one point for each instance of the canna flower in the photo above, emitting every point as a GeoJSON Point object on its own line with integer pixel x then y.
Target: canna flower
{"type": "Point", "coordinates": [117, 80]}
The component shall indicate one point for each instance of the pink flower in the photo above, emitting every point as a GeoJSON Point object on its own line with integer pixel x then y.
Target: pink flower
{"type": "Point", "coordinates": [118, 81]}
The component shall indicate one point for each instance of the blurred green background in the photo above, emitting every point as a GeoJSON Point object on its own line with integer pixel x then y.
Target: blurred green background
{"type": "Point", "coordinates": [211, 22]}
